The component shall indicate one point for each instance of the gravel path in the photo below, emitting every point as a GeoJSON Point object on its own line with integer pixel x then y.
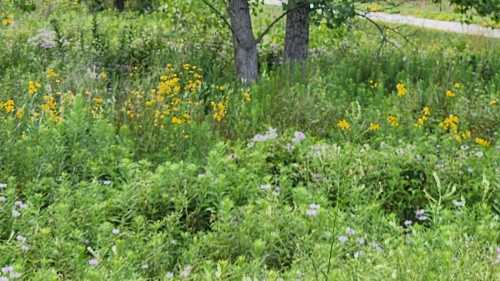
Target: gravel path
{"type": "Point", "coordinates": [447, 26]}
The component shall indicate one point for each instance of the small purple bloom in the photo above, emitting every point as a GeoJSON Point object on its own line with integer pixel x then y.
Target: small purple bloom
{"type": "Point", "coordinates": [350, 232]}
{"type": "Point", "coordinates": [408, 223]}
{"type": "Point", "coordinates": [93, 262]}
{"type": "Point", "coordinates": [115, 231]}
{"type": "Point", "coordinates": [298, 137]}
{"type": "Point", "coordinates": [313, 210]}
{"type": "Point", "coordinates": [170, 275]}
{"type": "Point", "coordinates": [3, 278]}
{"type": "Point", "coordinates": [420, 215]}
{"type": "Point", "coordinates": [8, 269]}
{"type": "Point", "coordinates": [20, 205]}
{"type": "Point", "coordinates": [343, 239]}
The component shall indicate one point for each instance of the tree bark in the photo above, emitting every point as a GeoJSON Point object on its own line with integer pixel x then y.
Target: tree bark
{"type": "Point", "coordinates": [244, 42]}
{"type": "Point", "coordinates": [297, 31]}
{"type": "Point", "coordinates": [120, 5]}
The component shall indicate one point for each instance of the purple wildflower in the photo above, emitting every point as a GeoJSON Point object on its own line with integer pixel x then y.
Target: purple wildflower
{"type": "Point", "coordinates": [343, 239]}
{"type": "Point", "coordinates": [313, 210]}
{"type": "Point", "coordinates": [93, 262]}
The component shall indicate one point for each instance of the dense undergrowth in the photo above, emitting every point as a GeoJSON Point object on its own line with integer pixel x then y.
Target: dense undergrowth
{"type": "Point", "coordinates": [127, 152]}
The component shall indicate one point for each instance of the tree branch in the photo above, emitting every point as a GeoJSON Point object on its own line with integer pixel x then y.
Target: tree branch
{"type": "Point", "coordinates": [221, 17]}
{"type": "Point", "coordinates": [276, 20]}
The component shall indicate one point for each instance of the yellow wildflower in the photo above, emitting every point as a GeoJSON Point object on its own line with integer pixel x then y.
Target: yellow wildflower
{"type": "Point", "coordinates": [8, 20]}
{"type": "Point", "coordinates": [103, 76]}
{"type": "Point", "coordinates": [98, 101]}
{"type": "Point", "coordinates": [493, 102]}
{"type": "Point", "coordinates": [450, 94]}
{"type": "Point", "coordinates": [421, 121]}
{"type": "Point", "coordinates": [20, 113]}
{"type": "Point", "coordinates": [482, 142]}
{"type": "Point", "coordinates": [179, 120]}
{"type": "Point", "coordinates": [374, 127]}
{"type": "Point", "coordinates": [33, 87]}
{"type": "Point", "coordinates": [52, 74]}
{"type": "Point", "coordinates": [393, 120]}
{"type": "Point", "coordinates": [219, 109]}
{"type": "Point", "coordinates": [426, 111]}
{"type": "Point", "coordinates": [50, 104]}
{"type": "Point", "coordinates": [9, 106]}
{"type": "Point", "coordinates": [247, 97]}
{"type": "Point", "coordinates": [343, 125]}
{"type": "Point", "coordinates": [450, 122]}
{"type": "Point", "coordinates": [401, 89]}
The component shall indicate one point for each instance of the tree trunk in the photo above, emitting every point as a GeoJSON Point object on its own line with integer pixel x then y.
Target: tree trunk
{"type": "Point", "coordinates": [297, 31]}
{"type": "Point", "coordinates": [244, 42]}
{"type": "Point", "coordinates": [120, 5]}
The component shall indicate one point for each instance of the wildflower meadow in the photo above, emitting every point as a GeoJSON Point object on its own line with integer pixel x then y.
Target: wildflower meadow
{"type": "Point", "coordinates": [131, 148]}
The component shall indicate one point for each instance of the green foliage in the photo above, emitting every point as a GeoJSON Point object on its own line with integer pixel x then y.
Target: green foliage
{"type": "Point", "coordinates": [99, 181]}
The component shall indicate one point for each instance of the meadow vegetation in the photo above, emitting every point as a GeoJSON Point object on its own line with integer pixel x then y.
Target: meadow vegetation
{"type": "Point", "coordinates": [128, 151]}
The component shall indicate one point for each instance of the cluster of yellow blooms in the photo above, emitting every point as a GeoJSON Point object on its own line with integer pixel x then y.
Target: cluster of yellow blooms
{"type": "Point", "coordinates": [49, 108]}
{"type": "Point", "coordinates": [450, 123]}
{"type": "Point", "coordinates": [426, 113]}
{"type": "Point", "coordinates": [8, 106]}
{"type": "Point", "coordinates": [393, 121]}
{"type": "Point", "coordinates": [173, 98]}
{"type": "Point", "coordinates": [33, 87]}
{"type": "Point", "coordinates": [401, 89]}
{"type": "Point", "coordinates": [482, 142]}
{"type": "Point", "coordinates": [219, 110]}
{"type": "Point", "coordinates": [450, 94]}
{"type": "Point", "coordinates": [374, 127]}
{"type": "Point", "coordinates": [247, 97]}
{"type": "Point", "coordinates": [7, 20]}
{"type": "Point", "coordinates": [343, 125]}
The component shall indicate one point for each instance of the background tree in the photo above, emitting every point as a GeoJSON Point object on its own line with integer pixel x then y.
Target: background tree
{"type": "Point", "coordinates": [120, 5]}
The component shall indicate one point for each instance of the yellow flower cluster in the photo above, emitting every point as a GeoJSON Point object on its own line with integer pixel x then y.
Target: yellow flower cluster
{"type": "Point", "coordinates": [8, 106]}
{"type": "Point", "coordinates": [52, 74]}
{"type": "Point", "coordinates": [450, 123]}
{"type": "Point", "coordinates": [482, 142]}
{"type": "Point", "coordinates": [172, 99]}
{"type": "Point", "coordinates": [450, 94]}
{"type": "Point", "coordinates": [462, 136]}
{"type": "Point", "coordinates": [33, 87]}
{"type": "Point", "coordinates": [247, 97]}
{"type": "Point", "coordinates": [374, 127]}
{"type": "Point", "coordinates": [49, 108]}
{"type": "Point", "coordinates": [425, 114]}
{"type": "Point", "coordinates": [393, 120]}
{"type": "Point", "coordinates": [7, 20]}
{"type": "Point", "coordinates": [401, 89]}
{"type": "Point", "coordinates": [344, 125]}
{"type": "Point", "coordinates": [219, 110]}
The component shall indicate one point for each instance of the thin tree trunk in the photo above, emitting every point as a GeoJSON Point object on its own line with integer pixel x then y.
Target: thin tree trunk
{"type": "Point", "coordinates": [297, 31]}
{"type": "Point", "coordinates": [120, 5]}
{"type": "Point", "coordinates": [244, 42]}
